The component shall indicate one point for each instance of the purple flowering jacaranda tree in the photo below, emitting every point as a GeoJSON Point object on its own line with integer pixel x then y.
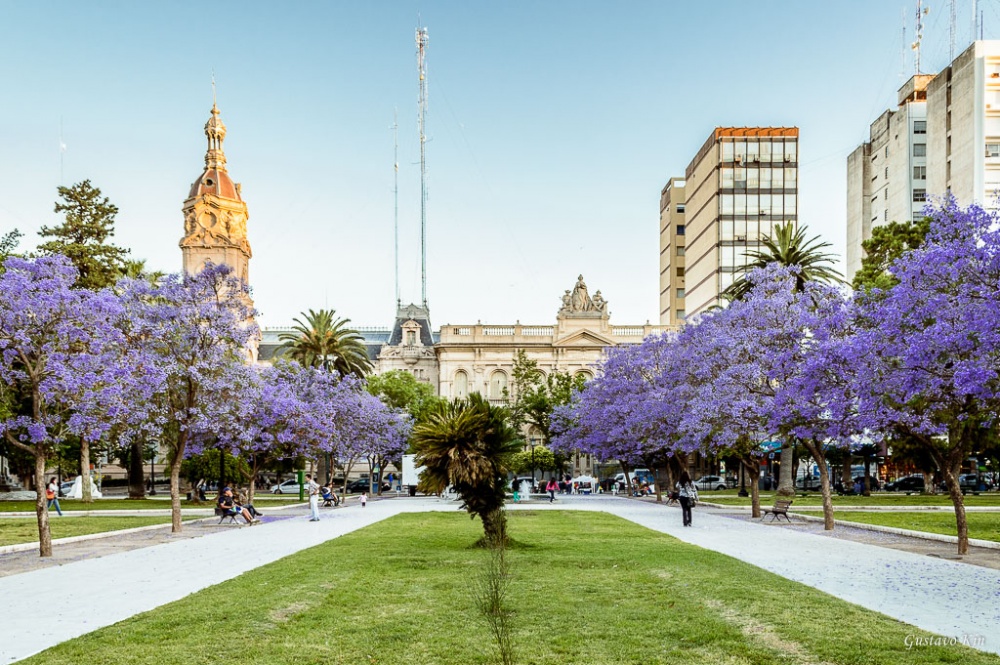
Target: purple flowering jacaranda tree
{"type": "Point", "coordinates": [55, 344]}
{"type": "Point", "coordinates": [193, 348]}
{"type": "Point", "coordinates": [929, 348]}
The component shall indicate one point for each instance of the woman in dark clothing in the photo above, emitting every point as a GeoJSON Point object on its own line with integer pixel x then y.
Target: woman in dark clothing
{"type": "Point", "coordinates": [688, 496]}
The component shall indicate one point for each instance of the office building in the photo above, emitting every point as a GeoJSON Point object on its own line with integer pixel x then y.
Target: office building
{"type": "Point", "coordinates": [742, 183]}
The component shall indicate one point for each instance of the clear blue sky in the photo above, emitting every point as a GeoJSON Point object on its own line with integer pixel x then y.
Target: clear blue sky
{"type": "Point", "coordinates": [552, 128]}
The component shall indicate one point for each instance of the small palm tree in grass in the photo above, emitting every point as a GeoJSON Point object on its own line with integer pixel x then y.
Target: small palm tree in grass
{"type": "Point", "coordinates": [469, 444]}
{"type": "Point", "coordinates": [325, 341]}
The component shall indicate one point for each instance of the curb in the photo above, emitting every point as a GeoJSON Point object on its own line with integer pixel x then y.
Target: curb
{"type": "Point", "coordinates": [924, 535]}
{"type": "Point", "coordinates": [24, 547]}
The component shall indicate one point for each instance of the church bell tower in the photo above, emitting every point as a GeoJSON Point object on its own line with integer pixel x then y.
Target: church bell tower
{"type": "Point", "coordinates": [215, 216]}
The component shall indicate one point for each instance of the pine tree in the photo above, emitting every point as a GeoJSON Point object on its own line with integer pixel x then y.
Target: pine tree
{"type": "Point", "coordinates": [83, 236]}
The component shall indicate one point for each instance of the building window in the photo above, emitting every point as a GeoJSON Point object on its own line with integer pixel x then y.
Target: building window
{"type": "Point", "coordinates": [680, 272]}
{"type": "Point", "coordinates": [680, 208]}
{"type": "Point", "coordinates": [919, 126]}
{"type": "Point", "coordinates": [920, 173]}
{"type": "Point", "coordinates": [887, 169]}
{"type": "Point", "coordinates": [993, 149]}
{"type": "Point", "coordinates": [919, 149]}
{"type": "Point", "coordinates": [680, 315]}
{"type": "Point", "coordinates": [461, 384]}
{"type": "Point", "coordinates": [919, 195]}
{"type": "Point", "coordinates": [680, 251]}
{"type": "Point", "coordinates": [680, 229]}
{"type": "Point", "coordinates": [498, 385]}
{"type": "Point", "coordinates": [411, 337]}
{"type": "Point", "coordinates": [680, 293]}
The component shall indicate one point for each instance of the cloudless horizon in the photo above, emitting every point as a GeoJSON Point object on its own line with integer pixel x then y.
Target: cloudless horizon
{"type": "Point", "coordinates": [552, 127]}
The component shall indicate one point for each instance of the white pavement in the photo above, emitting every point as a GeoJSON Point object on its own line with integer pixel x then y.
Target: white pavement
{"type": "Point", "coordinates": [945, 597]}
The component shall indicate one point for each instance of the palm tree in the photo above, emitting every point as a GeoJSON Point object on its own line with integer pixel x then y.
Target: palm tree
{"type": "Point", "coordinates": [325, 341]}
{"type": "Point", "coordinates": [469, 444]}
{"type": "Point", "coordinates": [789, 247]}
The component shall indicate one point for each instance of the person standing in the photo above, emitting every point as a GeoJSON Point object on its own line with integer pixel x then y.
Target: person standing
{"type": "Point", "coordinates": [687, 493]}
{"type": "Point", "coordinates": [551, 489]}
{"type": "Point", "coordinates": [52, 495]}
{"type": "Point", "coordinates": [364, 499]}
{"type": "Point", "coordinates": [313, 488]}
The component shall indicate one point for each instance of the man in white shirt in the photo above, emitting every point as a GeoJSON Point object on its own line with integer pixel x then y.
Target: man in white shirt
{"type": "Point", "coordinates": [313, 487]}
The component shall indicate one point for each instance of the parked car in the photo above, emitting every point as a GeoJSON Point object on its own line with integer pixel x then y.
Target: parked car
{"type": "Point", "coordinates": [365, 485]}
{"type": "Point", "coordinates": [290, 486]}
{"type": "Point", "coordinates": [711, 483]}
{"type": "Point", "coordinates": [913, 483]}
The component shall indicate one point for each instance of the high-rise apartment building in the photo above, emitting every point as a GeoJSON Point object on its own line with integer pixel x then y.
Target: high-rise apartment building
{"type": "Point", "coordinates": [887, 175]}
{"type": "Point", "coordinates": [944, 137]}
{"type": "Point", "coordinates": [741, 184]}
{"type": "Point", "coordinates": [672, 252]}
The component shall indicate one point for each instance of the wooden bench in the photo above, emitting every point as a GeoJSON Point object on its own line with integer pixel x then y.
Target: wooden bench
{"type": "Point", "coordinates": [223, 514]}
{"type": "Point", "coordinates": [779, 508]}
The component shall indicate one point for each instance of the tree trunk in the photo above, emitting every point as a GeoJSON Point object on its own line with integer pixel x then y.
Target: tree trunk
{"type": "Point", "coordinates": [752, 469]}
{"type": "Point", "coordinates": [136, 487]}
{"type": "Point", "coordinates": [845, 475]}
{"type": "Point", "coordinates": [867, 488]}
{"type": "Point", "coordinates": [929, 482]}
{"type": "Point", "coordinates": [87, 496]}
{"type": "Point", "coordinates": [494, 527]}
{"type": "Point", "coordinates": [175, 482]}
{"type": "Point", "coordinates": [786, 479]}
{"type": "Point", "coordinates": [950, 472]}
{"type": "Point", "coordinates": [816, 450]}
{"type": "Point", "coordinates": [41, 505]}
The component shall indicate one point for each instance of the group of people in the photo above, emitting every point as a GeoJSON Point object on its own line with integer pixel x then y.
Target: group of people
{"type": "Point", "coordinates": [232, 505]}
{"type": "Point", "coordinates": [328, 494]}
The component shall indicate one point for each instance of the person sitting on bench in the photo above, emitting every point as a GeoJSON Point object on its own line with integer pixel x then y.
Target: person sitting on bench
{"type": "Point", "coordinates": [229, 505]}
{"type": "Point", "coordinates": [330, 497]}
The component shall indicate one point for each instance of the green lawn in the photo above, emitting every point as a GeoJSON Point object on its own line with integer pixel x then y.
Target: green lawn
{"type": "Point", "coordinates": [268, 500]}
{"type": "Point", "coordinates": [876, 499]}
{"type": "Point", "coordinates": [15, 530]}
{"type": "Point", "coordinates": [588, 588]}
{"type": "Point", "coordinates": [985, 526]}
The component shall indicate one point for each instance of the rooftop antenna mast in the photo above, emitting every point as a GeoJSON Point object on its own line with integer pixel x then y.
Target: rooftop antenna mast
{"type": "Point", "coordinates": [395, 195]}
{"type": "Point", "coordinates": [975, 20]}
{"type": "Point", "coordinates": [951, 32]}
{"type": "Point", "coordinates": [422, 112]}
{"type": "Point", "coordinates": [902, 46]}
{"type": "Point", "coordinates": [921, 13]}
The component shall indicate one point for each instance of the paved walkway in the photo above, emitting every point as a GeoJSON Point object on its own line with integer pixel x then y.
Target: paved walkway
{"type": "Point", "coordinates": [944, 597]}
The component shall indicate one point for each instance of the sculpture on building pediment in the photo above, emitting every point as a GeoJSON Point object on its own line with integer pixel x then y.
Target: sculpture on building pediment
{"type": "Point", "coordinates": [578, 303]}
{"type": "Point", "coordinates": [600, 304]}
{"type": "Point", "coordinates": [580, 300]}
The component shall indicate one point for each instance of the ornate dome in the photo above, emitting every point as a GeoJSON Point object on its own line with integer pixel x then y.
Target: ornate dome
{"type": "Point", "coordinates": [217, 183]}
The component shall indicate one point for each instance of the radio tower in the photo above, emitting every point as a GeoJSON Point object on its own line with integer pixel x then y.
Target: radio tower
{"type": "Point", "coordinates": [421, 118]}
{"type": "Point", "coordinates": [951, 33]}
{"type": "Point", "coordinates": [395, 199]}
{"type": "Point", "coordinates": [921, 13]}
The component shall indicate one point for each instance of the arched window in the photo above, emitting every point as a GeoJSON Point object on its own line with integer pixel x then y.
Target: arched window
{"type": "Point", "coordinates": [586, 374]}
{"type": "Point", "coordinates": [498, 384]}
{"type": "Point", "coordinates": [461, 388]}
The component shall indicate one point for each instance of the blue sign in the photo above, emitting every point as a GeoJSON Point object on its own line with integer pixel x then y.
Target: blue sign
{"type": "Point", "coordinates": [770, 445]}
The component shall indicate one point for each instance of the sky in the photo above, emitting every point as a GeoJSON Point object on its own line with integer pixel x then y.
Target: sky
{"type": "Point", "coordinates": [551, 129]}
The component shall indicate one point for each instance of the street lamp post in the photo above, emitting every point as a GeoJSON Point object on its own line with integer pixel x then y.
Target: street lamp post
{"type": "Point", "coordinates": [743, 480]}
{"type": "Point", "coordinates": [531, 442]}
{"type": "Point", "coordinates": [152, 475]}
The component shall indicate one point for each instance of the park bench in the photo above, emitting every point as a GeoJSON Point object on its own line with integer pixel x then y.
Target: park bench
{"type": "Point", "coordinates": [223, 514]}
{"type": "Point", "coordinates": [779, 508]}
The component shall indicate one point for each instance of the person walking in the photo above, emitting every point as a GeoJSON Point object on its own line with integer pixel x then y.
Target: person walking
{"type": "Point", "coordinates": [313, 488]}
{"type": "Point", "coordinates": [364, 499]}
{"type": "Point", "coordinates": [551, 489]}
{"type": "Point", "coordinates": [687, 493]}
{"type": "Point", "coordinates": [52, 495]}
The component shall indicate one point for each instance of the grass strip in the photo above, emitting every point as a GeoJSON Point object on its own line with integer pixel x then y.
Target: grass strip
{"type": "Point", "coordinates": [586, 588]}
{"type": "Point", "coordinates": [876, 499]}
{"type": "Point", "coordinates": [984, 526]}
{"type": "Point", "coordinates": [16, 530]}
{"type": "Point", "coordinates": [131, 504]}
